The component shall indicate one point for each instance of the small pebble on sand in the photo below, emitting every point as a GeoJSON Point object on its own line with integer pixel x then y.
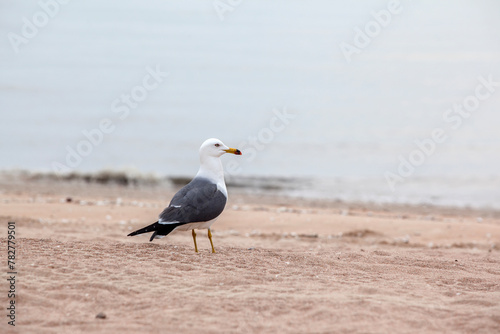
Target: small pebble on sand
{"type": "Point", "coordinates": [100, 315]}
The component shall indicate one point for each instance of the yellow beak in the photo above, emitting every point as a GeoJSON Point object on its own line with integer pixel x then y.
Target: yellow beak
{"type": "Point", "coordinates": [233, 151]}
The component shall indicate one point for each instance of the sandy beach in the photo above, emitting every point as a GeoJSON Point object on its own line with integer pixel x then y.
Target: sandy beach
{"type": "Point", "coordinates": [282, 265]}
{"type": "Point", "coordinates": [366, 198]}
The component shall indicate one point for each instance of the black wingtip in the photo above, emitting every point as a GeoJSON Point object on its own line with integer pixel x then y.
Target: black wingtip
{"type": "Point", "coordinates": [152, 236]}
{"type": "Point", "coordinates": [146, 229]}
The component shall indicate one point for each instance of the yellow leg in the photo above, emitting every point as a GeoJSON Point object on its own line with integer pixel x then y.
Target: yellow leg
{"type": "Point", "coordinates": [194, 239]}
{"type": "Point", "coordinates": [211, 243]}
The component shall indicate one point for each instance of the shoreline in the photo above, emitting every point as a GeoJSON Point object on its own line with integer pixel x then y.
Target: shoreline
{"type": "Point", "coordinates": [253, 189]}
{"type": "Point", "coordinates": [47, 200]}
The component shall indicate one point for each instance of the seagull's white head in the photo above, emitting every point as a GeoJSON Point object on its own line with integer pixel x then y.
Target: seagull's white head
{"type": "Point", "coordinates": [215, 148]}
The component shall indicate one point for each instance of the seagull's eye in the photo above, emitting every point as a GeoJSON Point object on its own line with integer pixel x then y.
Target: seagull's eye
{"type": "Point", "coordinates": [217, 145]}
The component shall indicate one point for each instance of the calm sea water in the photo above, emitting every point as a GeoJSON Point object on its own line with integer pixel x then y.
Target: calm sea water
{"type": "Point", "coordinates": [352, 121]}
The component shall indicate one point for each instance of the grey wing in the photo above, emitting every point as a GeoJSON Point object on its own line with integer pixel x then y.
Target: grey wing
{"type": "Point", "coordinates": [198, 201]}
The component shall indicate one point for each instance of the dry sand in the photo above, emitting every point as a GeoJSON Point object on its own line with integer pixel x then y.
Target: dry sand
{"type": "Point", "coordinates": [282, 265]}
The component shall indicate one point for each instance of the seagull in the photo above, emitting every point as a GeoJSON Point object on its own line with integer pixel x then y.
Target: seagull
{"type": "Point", "coordinates": [198, 204]}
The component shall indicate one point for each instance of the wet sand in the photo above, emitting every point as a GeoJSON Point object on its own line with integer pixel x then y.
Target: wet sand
{"type": "Point", "coordinates": [282, 265]}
